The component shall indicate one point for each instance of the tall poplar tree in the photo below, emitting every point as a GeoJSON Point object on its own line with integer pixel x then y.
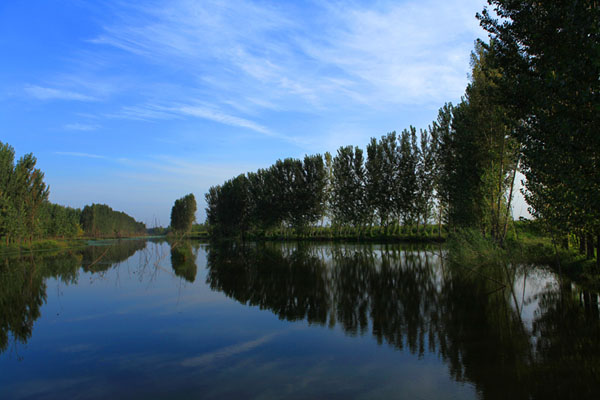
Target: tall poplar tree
{"type": "Point", "coordinates": [183, 214]}
{"type": "Point", "coordinates": [349, 199]}
{"type": "Point", "coordinates": [549, 52]}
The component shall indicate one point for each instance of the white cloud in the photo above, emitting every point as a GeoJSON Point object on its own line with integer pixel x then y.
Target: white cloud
{"type": "Point", "coordinates": [389, 54]}
{"type": "Point", "coordinates": [78, 154]}
{"type": "Point", "coordinates": [213, 115]}
{"type": "Point", "coordinates": [80, 127]}
{"type": "Point", "coordinates": [46, 93]}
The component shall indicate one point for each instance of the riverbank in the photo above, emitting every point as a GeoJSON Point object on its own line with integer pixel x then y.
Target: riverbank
{"type": "Point", "coordinates": [371, 234]}
{"type": "Point", "coordinates": [57, 244]}
{"type": "Point", "coordinates": [42, 245]}
{"type": "Point", "coordinates": [525, 246]}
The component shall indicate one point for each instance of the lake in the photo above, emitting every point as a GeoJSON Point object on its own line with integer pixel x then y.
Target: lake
{"type": "Point", "coordinates": [142, 319]}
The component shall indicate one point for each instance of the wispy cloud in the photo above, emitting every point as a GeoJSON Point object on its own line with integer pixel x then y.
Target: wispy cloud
{"type": "Point", "coordinates": [78, 154]}
{"type": "Point", "coordinates": [228, 351]}
{"type": "Point", "coordinates": [213, 115]}
{"type": "Point", "coordinates": [80, 127]}
{"type": "Point", "coordinates": [391, 53]}
{"type": "Point", "coordinates": [149, 112]}
{"type": "Point", "coordinates": [47, 93]}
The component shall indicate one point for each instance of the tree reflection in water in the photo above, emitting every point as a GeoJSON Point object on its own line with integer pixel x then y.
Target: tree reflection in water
{"type": "Point", "coordinates": [183, 260]}
{"type": "Point", "coordinates": [23, 282]}
{"type": "Point", "coordinates": [513, 332]}
{"type": "Point", "coordinates": [472, 319]}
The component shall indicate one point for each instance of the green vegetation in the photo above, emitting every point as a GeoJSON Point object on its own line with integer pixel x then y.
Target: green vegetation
{"type": "Point", "coordinates": [531, 106]}
{"type": "Point", "coordinates": [101, 221]}
{"type": "Point", "coordinates": [183, 214]}
{"type": "Point", "coordinates": [548, 57]}
{"type": "Point", "coordinates": [29, 221]}
{"type": "Point", "coordinates": [526, 244]}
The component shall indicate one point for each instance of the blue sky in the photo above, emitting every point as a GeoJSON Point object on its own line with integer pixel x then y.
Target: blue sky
{"type": "Point", "coordinates": [135, 105]}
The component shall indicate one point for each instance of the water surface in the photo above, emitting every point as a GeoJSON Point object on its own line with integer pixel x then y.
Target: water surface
{"type": "Point", "coordinates": [139, 319]}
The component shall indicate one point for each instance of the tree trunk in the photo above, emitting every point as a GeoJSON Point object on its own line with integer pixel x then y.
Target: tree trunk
{"type": "Point", "coordinates": [500, 179]}
{"type": "Point", "coordinates": [590, 246]}
{"type": "Point", "coordinates": [581, 238]}
{"type": "Point", "coordinates": [598, 252]}
{"type": "Point", "coordinates": [510, 197]}
{"type": "Point", "coordinates": [440, 222]}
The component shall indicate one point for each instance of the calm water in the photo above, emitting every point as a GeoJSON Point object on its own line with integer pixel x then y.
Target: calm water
{"type": "Point", "coordinates": [137, 319]}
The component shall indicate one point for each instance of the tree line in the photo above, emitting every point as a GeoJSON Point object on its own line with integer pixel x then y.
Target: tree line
{"type": "Point", "coordinates": [26, 213]}
{"type": "Point", "coordinates": [531, 106]}
{"type": "Point", "coordinates": [99, 220]}
{"type": "Point", "coordinates": [457, 173]}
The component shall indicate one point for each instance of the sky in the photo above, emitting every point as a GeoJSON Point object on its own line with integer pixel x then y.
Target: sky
{"type": "Point", "coordinates": [136, 104]}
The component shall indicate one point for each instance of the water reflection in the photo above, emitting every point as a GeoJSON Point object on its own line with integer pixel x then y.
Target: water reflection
{"type": "Point", "coordinates": [513, 332]}
{"type": "Point", "coordinates": [473, 319]}
{"type": "Point", "coordinates": [23, 282]}
{"type": "Point", "coordinates": [183, 260]}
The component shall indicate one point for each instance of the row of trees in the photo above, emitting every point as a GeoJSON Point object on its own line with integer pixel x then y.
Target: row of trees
{"type": "Point", "coordinates": [531, 106]}
{"type": "Point", "coordinates": [460, 171]}
{"type": "Point", "coordinates": [99, 220]}
{"type": "Point", "coordinates": [26, 213]}
{"type": "Point", "coordinates": [291, 192]}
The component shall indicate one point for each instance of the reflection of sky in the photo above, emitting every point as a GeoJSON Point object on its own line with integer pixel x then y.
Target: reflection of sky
{"type": "Point", "coordinates": [137, 330]}
{"type": "Point", "coordinates": [527, 287]}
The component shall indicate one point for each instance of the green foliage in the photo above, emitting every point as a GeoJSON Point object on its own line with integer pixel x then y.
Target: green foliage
{"type": "Point", "coordinates": [406, 185]}
{"type": "Point", "coordinates": [183, 214]}
{"type": "Point", "coordinates": [381, 172]}
{"type": "Point", "coordinates": [348, 199]}
{"type": "Point", "coordinates": [549, 53]}
{"type": "Point", "coordinates": [99, 220]}
{"type": "Point", "coordinates": [59, 221]}
{"type": "Point", "coordinates": [291, 192]}
{"type": "Point", "coordinates": [23, 198]}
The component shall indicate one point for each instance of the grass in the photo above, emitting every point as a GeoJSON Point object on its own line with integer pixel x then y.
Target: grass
{"type": "Point", "coordinates": [392, 233]}
{"type": "Point", "coordinates": [526, 244]}
{"type": "Point", "coordinates": [41, 245]}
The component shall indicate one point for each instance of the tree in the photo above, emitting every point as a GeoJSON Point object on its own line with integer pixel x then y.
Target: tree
{"type": "Point", "coordinates": [7, 212]}
{"type": "Point", "coordinates": [425, 179]}
{"type": "Point", "coordinates": [550, 57]}
{"type": "Point", "coordinates": [309, 192]}
{"type": "Point", "coordinates": [349, 199]}
{"type": "Point", "coordinates": [22, 193]}
{"type": "Point", "coordinates": [183, 214]}
{"type": "Point", "coordinates": [406, 185]}
{"type": "Point", "coordinates": [381, 175]}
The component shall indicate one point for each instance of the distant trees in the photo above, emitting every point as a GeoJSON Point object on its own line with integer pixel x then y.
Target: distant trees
{"type": "Point", "coordinates": [290, 193]}
{"type": "Point", "coordinates": [99, 220]}
{"type": "Point", "coordinates": [59, 221]}
{"type": "Point", "coordinates": [396, 183]}
{"type": "Point", "coordinates": [25, 212]}
{"type": "Point", "coordinates": [183, 214]}
{"type": "Point", "coordinates": [22, 194]}
{"type": "Point", "coordinates": [461, 171]}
